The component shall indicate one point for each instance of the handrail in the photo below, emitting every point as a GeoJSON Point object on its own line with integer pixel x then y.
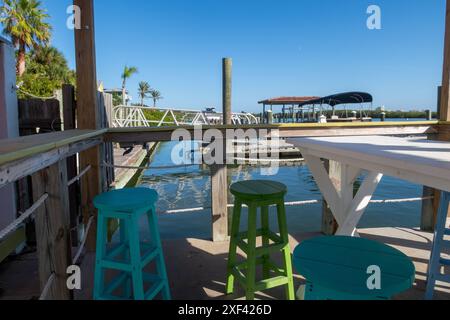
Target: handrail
{"type": "Point", "coordinates": [298, 204]}
{"type": "Point", "coordinates": [16, 223]}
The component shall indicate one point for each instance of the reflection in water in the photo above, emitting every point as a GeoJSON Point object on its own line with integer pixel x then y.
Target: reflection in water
{"type": "Point", "coordinates": [190, 187]}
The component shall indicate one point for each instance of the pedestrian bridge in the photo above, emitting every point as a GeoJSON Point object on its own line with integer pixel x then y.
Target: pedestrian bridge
{"type": "Point", "coordinates": [133, 116]}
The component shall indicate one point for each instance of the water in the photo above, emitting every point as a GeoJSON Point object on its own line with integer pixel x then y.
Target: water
{"type": "Point", "coordinates": [189, 187]}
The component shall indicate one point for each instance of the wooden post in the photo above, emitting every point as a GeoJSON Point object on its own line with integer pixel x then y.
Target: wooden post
{"type": "Point", "coordinates": [444, 111]}
{"type": "Point", "coordinates": [219, 175]}
{"type": "Point", "coordinates": [53, 229]}
{"type": "Point", "coordinates": [68, 108]}
{"type": "Point", "coordinates": [227, 65]}
{"type": "Point", "coordinates": [430, 209]}
{"type": "Point", "coordinates": [87, 109]}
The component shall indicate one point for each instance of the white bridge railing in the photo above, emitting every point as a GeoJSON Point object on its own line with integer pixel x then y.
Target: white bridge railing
{"type": "Point", "coordinates": [133, 116]}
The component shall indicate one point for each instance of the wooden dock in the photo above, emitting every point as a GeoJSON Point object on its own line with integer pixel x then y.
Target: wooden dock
{"type": "Point", "coordinates": [204, 264]}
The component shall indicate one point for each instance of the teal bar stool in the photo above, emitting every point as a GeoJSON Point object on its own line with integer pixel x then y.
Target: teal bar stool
{"type": "Point", "coordinates": [131, 256]}
{"type": "Point", "coordinates": [340, 268]}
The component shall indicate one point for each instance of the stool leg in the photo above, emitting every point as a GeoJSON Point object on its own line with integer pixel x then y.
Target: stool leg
{"type": "Point", "coordinates": [232, 253]}
{"type": "Point", "coordinates": [124, 240]}
{"type": "Point", "coordinates": [290, 291]}
{"type": "Point", "coordinates": [265, 240]}
{"type": "Point", "coordinates": [99, 278]}
{"type": "Point", "coordinates": [135, 253]}
{"type": "Point", "coordinates": [251, 256]}
{"type": "Point", "coordinates": [160, 264]}
{"type": "Point", "coordinates": [435, 265]}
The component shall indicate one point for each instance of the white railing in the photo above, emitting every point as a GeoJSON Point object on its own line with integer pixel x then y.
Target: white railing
{"type": "Point", "coordinates": [135, 117]}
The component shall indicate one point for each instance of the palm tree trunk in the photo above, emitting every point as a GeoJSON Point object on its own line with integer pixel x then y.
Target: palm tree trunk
{"type": "Point", "coordinates": [124, 99]}
{"type": "Point", "coordinates": [21, 60]}
{"type": "Point", "coordinates": [154, 103]}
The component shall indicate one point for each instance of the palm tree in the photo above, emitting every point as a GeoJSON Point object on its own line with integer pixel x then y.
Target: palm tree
{"type": "Point", "coordinates": [156, 95]}
{"type": "Point", "coordinates": [127, 73]}
{"type": "Point", "coordinates": [24, 22]}
{"type": "Point", "coordinates": [144, 89]}
{"type": "Point", "coordinates": [57, 67]}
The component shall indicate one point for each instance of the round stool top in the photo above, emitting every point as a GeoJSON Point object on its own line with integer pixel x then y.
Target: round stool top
{"type": "Point", "coordinates": [126, 199]}
{"type": "Point", "coordinates": [258, 190]}
{"type": "Point", "coordinates": [345, 265]}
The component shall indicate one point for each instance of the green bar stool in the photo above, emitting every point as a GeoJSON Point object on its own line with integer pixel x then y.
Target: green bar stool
{"type": "Point", "coordinates": [259, 194]}
{"type": "Point", "coordinates": [131, 256]}
{"type": "Point", "coordinates": [348, 268]}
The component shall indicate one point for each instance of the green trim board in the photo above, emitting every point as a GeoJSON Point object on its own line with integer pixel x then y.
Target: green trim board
{"type": "Point", "coordinates": [24, 147]}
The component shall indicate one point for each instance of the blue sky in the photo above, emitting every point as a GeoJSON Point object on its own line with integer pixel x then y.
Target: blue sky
{"type": "Point", "coordinates": [279, 47]}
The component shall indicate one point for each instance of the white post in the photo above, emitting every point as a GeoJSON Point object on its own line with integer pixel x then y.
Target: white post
{"type": "Point", "coordinates": [9, 122]}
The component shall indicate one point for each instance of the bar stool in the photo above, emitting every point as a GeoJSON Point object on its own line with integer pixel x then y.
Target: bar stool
{"type": "Point", "coordinates": [437, 262]}
{"type": "Point", "coordinates": [131, 256]}
{"type": "Point", "coordinates": [259, 194]}
{"type": "Point", "coordinates": [341, 268]}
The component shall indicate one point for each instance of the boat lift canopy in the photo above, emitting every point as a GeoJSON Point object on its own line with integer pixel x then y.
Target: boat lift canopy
{"type": "Point", "coordinates": [333, 100]}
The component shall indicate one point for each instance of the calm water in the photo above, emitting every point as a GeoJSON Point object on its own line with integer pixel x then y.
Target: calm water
{"type": "Point", "coordinates": [189, 187]}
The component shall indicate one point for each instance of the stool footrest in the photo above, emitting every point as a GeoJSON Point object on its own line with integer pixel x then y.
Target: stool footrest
{"type": "Point", "coordinates": [444, 262]}
{"type": "Point", "coordinates": [277, 245]}
{"type": "Point", "coordinates": [149, 254]}
{"type": "Point", "coordinates": [157, 286]}
{"type": "Point", "coordinates": [264, 284]}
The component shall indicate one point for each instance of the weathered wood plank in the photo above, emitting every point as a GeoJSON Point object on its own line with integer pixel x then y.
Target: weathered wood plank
{"type": "Point", "coordinates": [444, 111]}
{"type": "Point", "coordinates": [53, 229]}
{"type": "Point", "coordinates": [13, 171]}
{"type": "Point", "coordinates": [219, 172]}
{"type": "Point", "coordinates": [68, 110]}
{"type": "Point", "coordinates": [23, 147]}
{"type": "Point", "coordinates": [87, 108]}
{"type": "Point", "coordinates": [141, 135]}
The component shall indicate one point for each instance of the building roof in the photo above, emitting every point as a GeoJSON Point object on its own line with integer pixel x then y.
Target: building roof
{"type": "Point", "coordinates": [288, 100]}
{"type": "Point", "coordinates": [333, 100]}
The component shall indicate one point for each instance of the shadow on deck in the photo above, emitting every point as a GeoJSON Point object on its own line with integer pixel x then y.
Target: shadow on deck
{"type": "Point", "coordinates": [197, 268]}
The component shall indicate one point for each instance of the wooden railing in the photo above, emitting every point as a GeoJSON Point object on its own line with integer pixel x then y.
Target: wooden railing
{"type": "Point", "coordinates": [43, 158]}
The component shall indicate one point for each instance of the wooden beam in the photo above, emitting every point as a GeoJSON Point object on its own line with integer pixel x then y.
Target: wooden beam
{"type": "Point", "coordinates": [219, 174]}
{"type": "Point", "coordinates": [25, 166]}
{"type": "Point", "coordinates": [87, 108]}
{"type": "Point", "coordinates": [53, 229]}
{"type": "Point", "coordinates": [69, 117]}
{"type": "Point", "coordinates": [444, 111]}
{"type": "Point", "coordinates": [142, 135]}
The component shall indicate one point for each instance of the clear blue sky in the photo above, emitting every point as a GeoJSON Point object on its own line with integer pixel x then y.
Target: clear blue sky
{"type": "Point", "coordinates": [279, 47]}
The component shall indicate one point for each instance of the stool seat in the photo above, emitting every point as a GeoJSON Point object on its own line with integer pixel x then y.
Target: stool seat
{"type": "Point", "coordinates": [126, 200]}
{"type": "Point", "coordinates": [256, 190]}
{"type": "Point", "coordinates": [339, 265]}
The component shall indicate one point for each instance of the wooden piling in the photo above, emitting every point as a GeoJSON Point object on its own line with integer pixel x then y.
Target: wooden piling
{"type": "Point", "coordinates": [87, 109]}
{"type": "Point", "coordinates": [443, 111]}
{"type": "Point", "coordinates": [219, 175]}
